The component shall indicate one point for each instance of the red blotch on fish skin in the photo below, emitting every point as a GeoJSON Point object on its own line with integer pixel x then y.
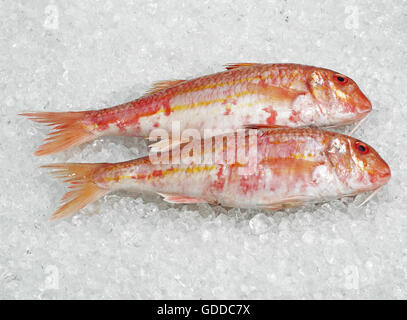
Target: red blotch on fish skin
{"type": "Point", "coordinates": [166, 106]}
{"type": "Point", "coordinates": [249, 183]}
{"type": "Point", "coordinates": [121, 125]}
{"type": "Point", "coordinates": [226, 103]}
{"type": "Point", "coordinates": [273, 115]}
{"type": "Point", "coordinates": [219, 183]}
{"type": "Point", "coordinates": [140, 176]}
{"type": "Point", "coordinates": [128, 114]}
{"type": "Point", "coordinates": [220, 172]}
{"type": "Point", "coordinates": [295, 116]}
{"type": "Point", "coordinates": [156, 125]}
{"type": "Point", "coordinates": [157, 173]}
{"type": "Point", "coordinates": [101, 119]}
{"type": "Point", "coordinates": [263, 84]}
{"type": "Point", "coordinates": [244, 185]}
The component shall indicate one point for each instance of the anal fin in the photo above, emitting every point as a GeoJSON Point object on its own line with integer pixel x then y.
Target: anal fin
{"type": "Point", "coordinates": [288, 202]}
{"type": "Point", "coordinates": [176, 198]}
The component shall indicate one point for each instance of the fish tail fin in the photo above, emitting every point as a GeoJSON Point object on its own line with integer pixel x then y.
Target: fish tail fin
{"type": "Point", "coordinates": [84, 190]}
{"type": "Point", "coordinates": [68, 131]}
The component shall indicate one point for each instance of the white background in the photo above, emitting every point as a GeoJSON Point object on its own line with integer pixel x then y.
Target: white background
{"type": "Point", "coordinates": [78, 55]}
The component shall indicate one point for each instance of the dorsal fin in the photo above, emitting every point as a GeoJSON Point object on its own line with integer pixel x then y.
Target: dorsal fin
{"type": "Point", "coordinates": [263, 126]}
{"type": "Point", "coordinates": [231, 66]}
{"type": "Point", "coordinates": [161, 85]}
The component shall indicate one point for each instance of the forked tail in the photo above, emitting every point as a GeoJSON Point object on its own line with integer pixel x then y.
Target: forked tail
{"type": "Point", "coordinates": [69, 130]}
{"type": "Point", "coordinates": [84, 190]}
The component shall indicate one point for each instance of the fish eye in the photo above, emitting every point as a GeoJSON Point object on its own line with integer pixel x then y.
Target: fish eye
{"type": "Point", "coordinates": [340, 79]}
{"type": "Point", "coordinates": [362, 147]}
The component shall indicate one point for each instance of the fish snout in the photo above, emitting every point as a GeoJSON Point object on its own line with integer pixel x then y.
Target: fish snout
{"type": "Point", "coordinates": [385, 173]}
{"type": "Point", "coordinates": [364, 106]}
{"type": "Point", "coordinates": [382, 173]}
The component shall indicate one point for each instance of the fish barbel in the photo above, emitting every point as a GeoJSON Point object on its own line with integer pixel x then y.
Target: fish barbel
{"type": "Point", "coordinates": [245, 95]}
{"type": "Point", "coordinates": [281, 167]}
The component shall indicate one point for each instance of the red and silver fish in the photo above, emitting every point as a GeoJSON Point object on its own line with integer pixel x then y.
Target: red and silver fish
{"type": "Point", "coordinates": [245, 95]}
{"type": "Point", "coordinates": [292, 167]}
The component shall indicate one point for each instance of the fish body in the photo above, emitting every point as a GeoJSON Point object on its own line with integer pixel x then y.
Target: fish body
{"type": "Point", "coordinates": [281, 167]}
{"type": "Point", "coordinates": [245, 95]}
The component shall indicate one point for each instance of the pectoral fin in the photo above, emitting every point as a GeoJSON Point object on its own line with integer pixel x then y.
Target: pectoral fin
{"type": "Point", "coordinates": [165, 145]}
{"type": "Point", "coordinates": [275, 94]}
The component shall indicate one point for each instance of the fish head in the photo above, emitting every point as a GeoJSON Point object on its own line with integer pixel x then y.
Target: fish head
{"type": "Point", "coordinates": [339, 98]}
{"type": "Point", "coordinates": [356, 164]}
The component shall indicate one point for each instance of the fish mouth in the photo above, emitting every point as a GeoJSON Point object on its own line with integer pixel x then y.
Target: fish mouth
{"type": "Point", "coordinates": [364, 105]}
{"type": "Point", "coordinates": [383, 174]}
